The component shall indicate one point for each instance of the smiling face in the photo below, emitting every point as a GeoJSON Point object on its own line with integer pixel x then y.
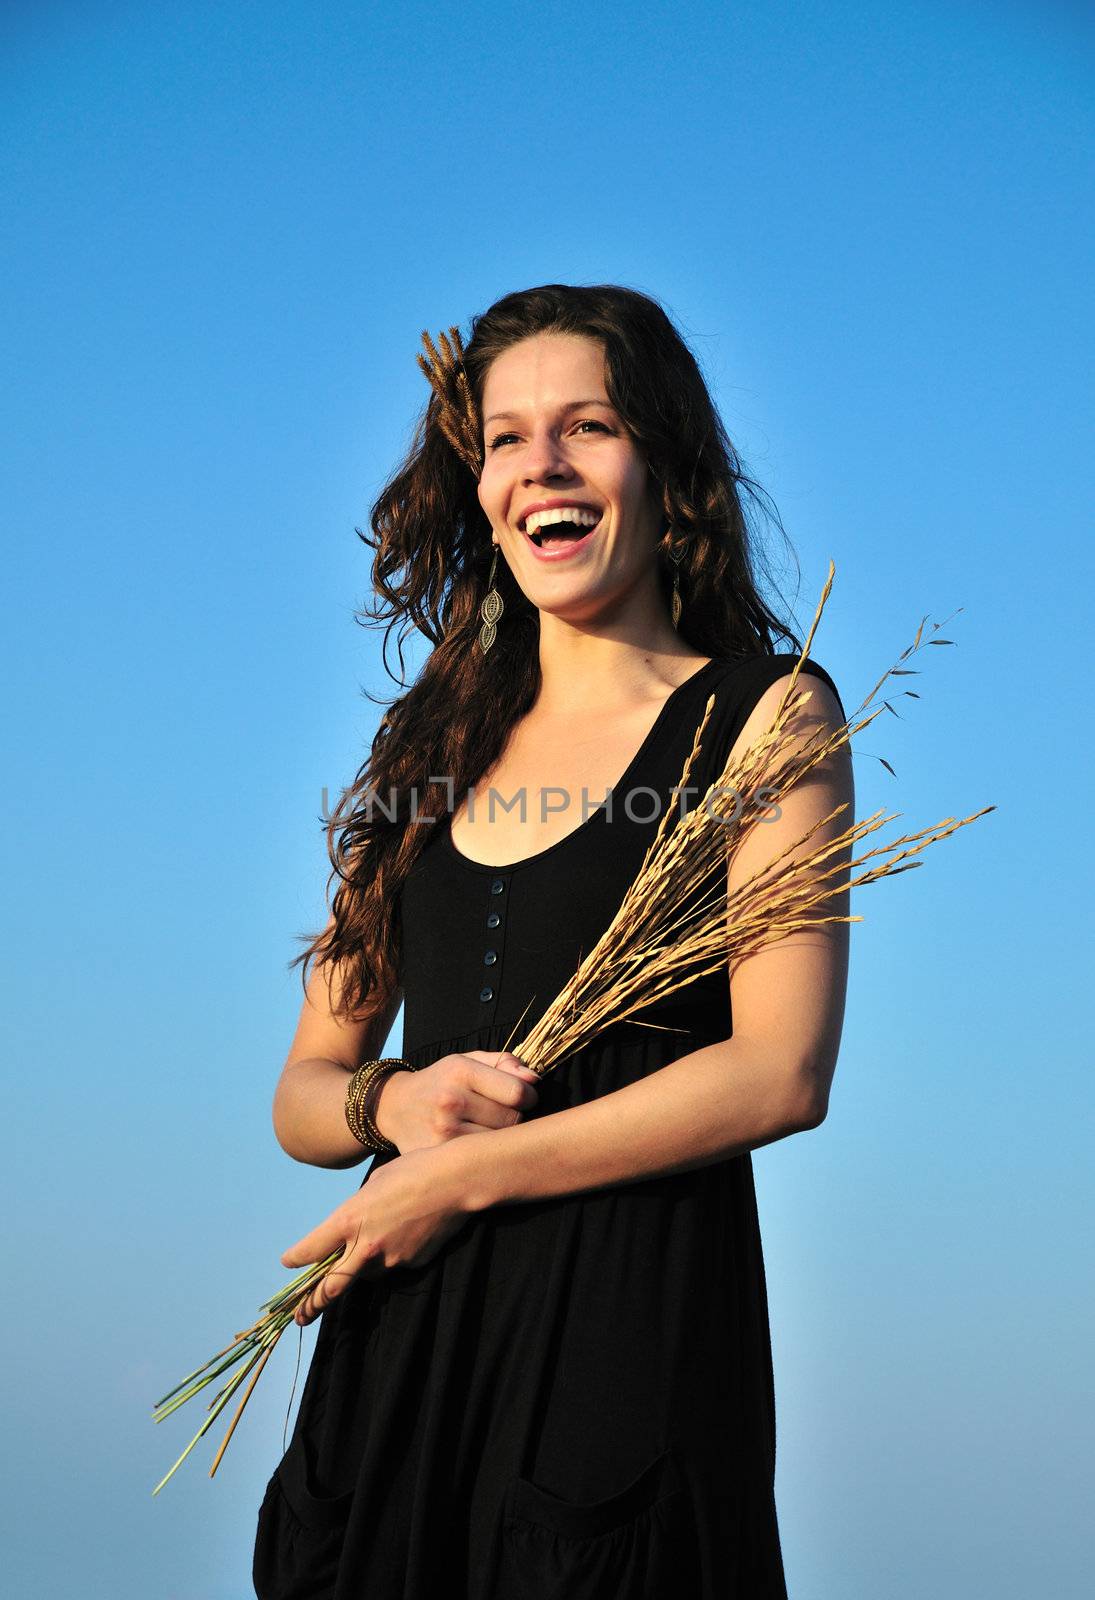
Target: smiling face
{"type": "Point", "coordinates": [551, 435]}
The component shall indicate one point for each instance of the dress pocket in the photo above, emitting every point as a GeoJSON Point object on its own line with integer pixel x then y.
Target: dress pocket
{"type": "Point", "coordinates": [636, 1544]}
{"type": "Point", "coordinates": [298, 1545]}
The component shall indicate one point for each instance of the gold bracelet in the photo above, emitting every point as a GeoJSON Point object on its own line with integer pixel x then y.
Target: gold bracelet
{"type": "Point", "coordinates": [360, 1122]}
{"type": "Point", "coordinates": [359, 1116]}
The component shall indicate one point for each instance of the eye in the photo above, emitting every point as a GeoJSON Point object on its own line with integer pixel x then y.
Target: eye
{"type": "Point", "coordinates": [586, 422]}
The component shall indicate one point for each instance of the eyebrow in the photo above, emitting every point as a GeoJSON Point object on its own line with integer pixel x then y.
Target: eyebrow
{"type": "Point", "coordinates": [570, 405]}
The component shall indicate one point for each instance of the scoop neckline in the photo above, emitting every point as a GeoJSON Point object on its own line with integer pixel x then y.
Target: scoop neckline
{"type": "Point", "coordinates": [595, 816]}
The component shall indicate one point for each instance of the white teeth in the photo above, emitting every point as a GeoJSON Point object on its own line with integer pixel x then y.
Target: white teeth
{"type": "Point", "coordinates": [578, 514]}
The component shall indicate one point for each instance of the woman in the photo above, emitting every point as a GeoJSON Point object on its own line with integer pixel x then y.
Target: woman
{"type": "Point", "coordinates": [544, 1365]}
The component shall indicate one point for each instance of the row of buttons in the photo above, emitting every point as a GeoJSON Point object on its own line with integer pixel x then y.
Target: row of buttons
{"type": "Point", "coordinates": [494, 920]}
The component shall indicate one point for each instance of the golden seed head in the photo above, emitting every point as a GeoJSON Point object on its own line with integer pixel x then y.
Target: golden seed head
{"type": "Point", "coordinates": [457, 413]}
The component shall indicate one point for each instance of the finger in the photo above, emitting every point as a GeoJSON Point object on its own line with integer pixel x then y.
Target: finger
{"type": "Point", "coordinates": [338, 1276]}
{"type": "Point", "coordinates": [320, 1296]}
{"type": "Point", "coordinates": [488, 1111]}
{"type": "Point", "coordinates": [310, 1308]}
{"type": "Point", "coordinates": [314, 1246]}
{"type": "Point", "coordinates": [503, 1089]}
{"type": "Point", "coordinates": [306, 1312]}
{"type": "Point", "coordinates": [508, 1062]}
{"type": "Point", "coordinates": [504, 1062]}
{"type": "Point", "coordinates": [496, 1083]}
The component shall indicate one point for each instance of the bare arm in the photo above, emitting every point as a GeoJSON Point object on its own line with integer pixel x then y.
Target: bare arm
{"type": "Point", "coordinates": [770, 1079]}
{"type": "Point", "coordinates": [460, 1094]}
{"type": "Point", "coordinates": [310, 1098]}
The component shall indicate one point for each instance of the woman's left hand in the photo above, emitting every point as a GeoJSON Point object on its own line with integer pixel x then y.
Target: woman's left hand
{"type": "Point", "coordinates": [401, 1216]}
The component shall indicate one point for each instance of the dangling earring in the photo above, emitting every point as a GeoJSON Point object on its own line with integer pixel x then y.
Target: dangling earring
{"type": "Point", "coordinates": [491, 608]}
{"type": "Point", "coordinates": [676, 556]}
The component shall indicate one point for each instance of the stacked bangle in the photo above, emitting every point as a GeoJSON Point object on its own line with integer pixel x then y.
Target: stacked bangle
{"type": "Point", "coordinates": [361, 1098]}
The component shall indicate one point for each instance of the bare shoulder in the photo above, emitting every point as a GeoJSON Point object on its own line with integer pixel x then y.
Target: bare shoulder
{"type": "Point", "coordinates": [823, 707]}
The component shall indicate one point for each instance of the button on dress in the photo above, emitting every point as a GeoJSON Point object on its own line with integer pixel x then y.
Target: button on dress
{"type": "Point", "coordinates": [574, 1398]}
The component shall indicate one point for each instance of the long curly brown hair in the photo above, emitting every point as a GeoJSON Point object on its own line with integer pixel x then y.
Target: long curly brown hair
{"type": "Point", "coordinates": [432, 544]}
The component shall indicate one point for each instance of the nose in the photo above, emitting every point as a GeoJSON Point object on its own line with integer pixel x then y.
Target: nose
{"type": "Point", "coordinates": [545, 456]}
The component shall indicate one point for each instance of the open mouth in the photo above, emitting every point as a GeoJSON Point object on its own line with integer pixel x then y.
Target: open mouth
{"type": "Point", "coordinates": [556, 535]}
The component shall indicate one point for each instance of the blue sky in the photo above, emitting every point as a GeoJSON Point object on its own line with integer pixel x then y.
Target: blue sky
{"type": "Point", "coordinates": [226, 227]}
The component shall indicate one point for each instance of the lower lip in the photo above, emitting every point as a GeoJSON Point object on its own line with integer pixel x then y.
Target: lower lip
{"type": "Point", "coordinates": [563, 552]}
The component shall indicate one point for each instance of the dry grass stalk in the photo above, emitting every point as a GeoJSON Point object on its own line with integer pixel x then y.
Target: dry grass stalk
{"type": "Point", "coordinates": [677, 922]}
{"type": "Point", "coordinates": [254, 1343]}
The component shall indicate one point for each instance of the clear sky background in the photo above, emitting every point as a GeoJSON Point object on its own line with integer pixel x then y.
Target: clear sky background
{"type": "Point", "coordinates": [225, 227]}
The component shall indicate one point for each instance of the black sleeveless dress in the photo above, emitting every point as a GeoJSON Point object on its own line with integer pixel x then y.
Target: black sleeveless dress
{"type": "Point", "coordinates": [574, 1398]}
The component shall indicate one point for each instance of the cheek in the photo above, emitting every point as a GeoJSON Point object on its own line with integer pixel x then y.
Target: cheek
{"type": "Point", "coordinates": [492, 496]}
{"type": "Point", "coordinates": [632, 493]}
{"type": "Point", "coordinates": [638, 513]}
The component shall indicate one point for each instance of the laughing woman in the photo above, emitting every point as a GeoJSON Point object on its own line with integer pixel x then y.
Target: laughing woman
{"type": "Point", "coordinates": [544, 1365]}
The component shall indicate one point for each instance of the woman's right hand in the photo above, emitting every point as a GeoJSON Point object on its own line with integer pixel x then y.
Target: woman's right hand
{"type": "Point", "coordinates": [457, 1094]}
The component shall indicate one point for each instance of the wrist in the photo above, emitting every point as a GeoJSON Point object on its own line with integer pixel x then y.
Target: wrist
{"type": "Point", "coordinates": [362, 1097]}
{"type": "Point", "coordinates": [389, 1098]}
{"type": "Point", "coordinates": [468, 1164]}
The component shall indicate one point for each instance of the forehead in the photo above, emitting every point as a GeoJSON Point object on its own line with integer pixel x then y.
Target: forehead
{"type": "Point", "coordinates": [545, 370]}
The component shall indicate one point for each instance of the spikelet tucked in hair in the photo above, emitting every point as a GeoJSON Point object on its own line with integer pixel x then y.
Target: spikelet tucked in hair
{"type": "Point", "coordinates": [458, 414]}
